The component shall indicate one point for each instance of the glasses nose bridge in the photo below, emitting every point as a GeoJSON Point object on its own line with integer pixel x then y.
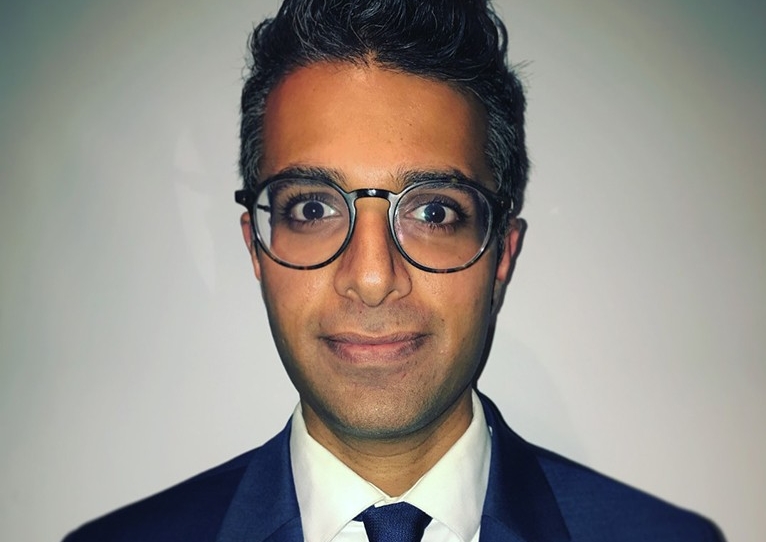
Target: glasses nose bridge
{"type": "Point", "coordinates": [376, 193]}
{"type": "Point", "coordinates": [373, 193]}
{"type": "Point", "coordinates": [362, 193]}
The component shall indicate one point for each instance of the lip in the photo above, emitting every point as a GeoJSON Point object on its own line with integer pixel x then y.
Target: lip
{"type": "Point", "coordinates": [361, 348]}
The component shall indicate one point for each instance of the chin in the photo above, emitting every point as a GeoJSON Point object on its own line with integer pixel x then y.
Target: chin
{"type": "Point", "coordinates": [389, 419]}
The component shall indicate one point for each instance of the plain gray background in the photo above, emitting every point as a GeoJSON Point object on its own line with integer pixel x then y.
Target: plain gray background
{"type": "Point", "coordinates": [134, 350]}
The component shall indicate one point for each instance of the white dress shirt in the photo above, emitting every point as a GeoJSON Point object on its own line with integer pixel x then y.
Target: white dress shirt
{"type": "Point", "coordinates": [330, 495]}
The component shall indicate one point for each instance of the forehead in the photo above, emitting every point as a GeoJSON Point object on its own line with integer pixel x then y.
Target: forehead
{"type": "Point", "coordinates": [369, 122]}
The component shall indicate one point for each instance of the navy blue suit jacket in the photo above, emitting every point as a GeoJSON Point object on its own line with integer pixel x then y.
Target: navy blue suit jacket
{"type": "Point", "coordinates": [533, 496]}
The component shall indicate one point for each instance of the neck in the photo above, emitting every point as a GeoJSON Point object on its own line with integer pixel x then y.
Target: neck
{"type": "Point", "coordinates": [394, 464]}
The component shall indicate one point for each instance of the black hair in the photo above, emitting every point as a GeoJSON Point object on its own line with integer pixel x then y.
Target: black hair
{"type": "Point", "coordinates": [460, 42]}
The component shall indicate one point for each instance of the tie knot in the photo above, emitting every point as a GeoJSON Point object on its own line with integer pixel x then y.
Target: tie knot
{"type": "Point", "coordinates": [400, 522]}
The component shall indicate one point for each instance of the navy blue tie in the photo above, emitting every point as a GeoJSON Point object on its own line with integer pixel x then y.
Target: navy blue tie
{"type": "Point", "coordinates": [400, 522]}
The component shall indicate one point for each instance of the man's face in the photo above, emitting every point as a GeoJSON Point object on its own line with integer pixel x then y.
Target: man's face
{"type": "Point", "coordinates": [376, 348]}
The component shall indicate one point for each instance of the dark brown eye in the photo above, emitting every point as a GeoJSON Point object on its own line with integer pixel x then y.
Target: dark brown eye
{"type": "Point", "coordinates": [311, 210]}
{"type": "Point", "coordinates": [433, 212]}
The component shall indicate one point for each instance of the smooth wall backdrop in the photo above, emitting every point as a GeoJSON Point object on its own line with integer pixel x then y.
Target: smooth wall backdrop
{"type": "Point", "coordinates": [134, 350]}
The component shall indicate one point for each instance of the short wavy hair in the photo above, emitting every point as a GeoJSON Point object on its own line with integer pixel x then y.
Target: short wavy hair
{"type": "Point", "coordinates": [460, 42]}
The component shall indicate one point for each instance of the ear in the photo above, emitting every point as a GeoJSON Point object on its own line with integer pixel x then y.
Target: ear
{"type": "Point", "coordinates": [250, 242]}
{"type": "Point", "coordinates": [511, 246]}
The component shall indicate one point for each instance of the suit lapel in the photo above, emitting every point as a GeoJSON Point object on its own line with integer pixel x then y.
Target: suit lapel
{"type": "Point", "coordinates": [520, 504]}
{"type": "Point", "coordinates": [292, 531]}
{"type": "Point", "coordinates": [265, 506]}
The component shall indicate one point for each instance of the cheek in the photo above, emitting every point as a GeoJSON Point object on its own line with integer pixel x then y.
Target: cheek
{"type": "Point", "coordinates": [290, 295]}
{"type": "Point", "coordinates": [463, 291]}
{"type": "Point", "coordinates": [291, 298]}
{"type": "Point", "coordinates": [463, 301]}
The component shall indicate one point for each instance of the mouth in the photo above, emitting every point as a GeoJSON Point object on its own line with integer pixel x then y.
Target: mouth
{"type": "Point", "coordinates": [360, 348]}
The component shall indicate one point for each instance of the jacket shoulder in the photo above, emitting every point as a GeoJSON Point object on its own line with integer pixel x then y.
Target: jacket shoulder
{"type": "Point", "coordinates": [189, 511]}
{"type": "Point", "coordinates": [543, 495]}
{"type": "Point", "coordinates": [597, 507]}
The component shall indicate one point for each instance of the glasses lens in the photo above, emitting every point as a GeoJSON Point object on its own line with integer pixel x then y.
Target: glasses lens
{"type": "Point", "coordinates": [301, 222]}
{"type": "Point", "coordinates": [443, 226]}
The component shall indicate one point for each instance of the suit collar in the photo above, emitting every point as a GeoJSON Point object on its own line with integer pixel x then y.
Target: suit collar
{"type": "Point", "coordinates": [265, 508]}
{"type": "Point", "coordinates": [520, 504]}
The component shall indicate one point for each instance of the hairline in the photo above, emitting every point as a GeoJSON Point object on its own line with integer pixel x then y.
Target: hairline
{"type": "Point", "coordinates": [370, 61]}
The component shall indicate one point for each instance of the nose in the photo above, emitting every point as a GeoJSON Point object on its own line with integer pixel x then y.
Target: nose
{"type": "Point", "coordinates": [371, 269]}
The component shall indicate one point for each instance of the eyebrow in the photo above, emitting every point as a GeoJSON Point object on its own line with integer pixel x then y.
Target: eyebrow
{"type": "Point", "coordinates": [414, 176]}
{"type": "Point", "coordinates": [404, 178]}
{"type": "Point", "coordinates": [309, 172]}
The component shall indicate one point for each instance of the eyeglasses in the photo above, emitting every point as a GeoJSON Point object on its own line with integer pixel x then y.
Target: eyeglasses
{"type": "Point", "coordinates": [438, 226]}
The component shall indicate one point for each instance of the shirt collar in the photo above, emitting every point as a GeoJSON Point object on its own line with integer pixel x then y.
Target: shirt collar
{"type": "Point", "coordinates": [330, 494]}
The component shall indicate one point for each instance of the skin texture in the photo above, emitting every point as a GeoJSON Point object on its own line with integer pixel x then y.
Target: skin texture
{"type": "Point", "coordinates": [382, 354]}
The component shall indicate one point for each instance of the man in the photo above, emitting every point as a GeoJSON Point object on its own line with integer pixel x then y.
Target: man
{"type": "Point", "coordinates": [382, 152]}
